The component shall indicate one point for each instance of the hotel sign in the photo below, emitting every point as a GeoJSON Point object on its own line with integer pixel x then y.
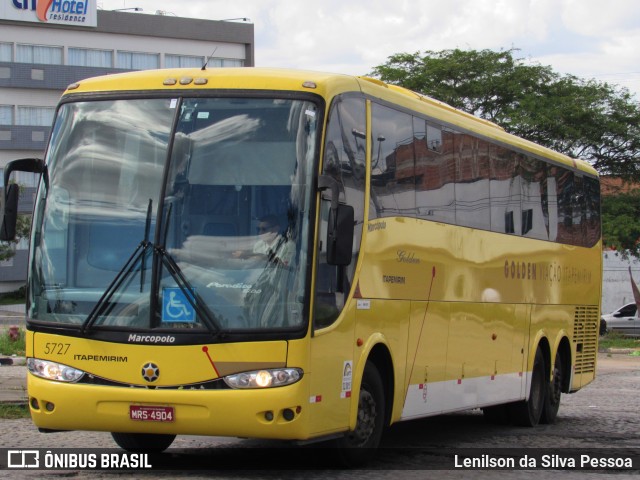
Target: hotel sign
{"type": "Point", "coordinates": [82, 13]}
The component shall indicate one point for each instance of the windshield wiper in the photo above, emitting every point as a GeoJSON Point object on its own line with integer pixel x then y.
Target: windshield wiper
{"type": "Point", "coordinates": [147, 228]}
{"type": "Point", "coordinates": [208, 317]}
{"type": "Point", "coordinates": [103, 302]}
{"type": "Point", "coordinates": [140, 256]}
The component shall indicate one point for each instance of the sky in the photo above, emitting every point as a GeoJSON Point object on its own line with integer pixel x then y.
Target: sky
{"type": "Point", "coordinates": [590, 39]}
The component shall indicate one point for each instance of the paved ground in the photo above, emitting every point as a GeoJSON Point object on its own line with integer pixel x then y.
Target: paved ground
{"type": "Point", "coordinates": [12, 315]}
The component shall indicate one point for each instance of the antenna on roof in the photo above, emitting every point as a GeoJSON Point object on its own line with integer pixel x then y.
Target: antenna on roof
{"type": "Point", "coordinates": [204, 67]}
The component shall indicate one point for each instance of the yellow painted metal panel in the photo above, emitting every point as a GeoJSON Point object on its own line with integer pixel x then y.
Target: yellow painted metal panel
{"type": "Point", "coordinates": [468, 265]}
{"type": "Point", "coordinates": [387, 323]}
{"type": "Point", "coordinates": [212, 412]}
{"type": "Point", "coordinates": [330, 372]}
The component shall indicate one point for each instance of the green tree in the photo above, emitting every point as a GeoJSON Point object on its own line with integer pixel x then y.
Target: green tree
{"type": "Point", "coordinates": [586, 119]}
{"type": "Point", "coordinates": [23, 228]}
{"type": "Point", "coordinates": [621, 223]}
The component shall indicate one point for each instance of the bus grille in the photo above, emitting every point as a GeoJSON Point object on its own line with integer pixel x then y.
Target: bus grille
{"type": "Point", "coordinates": [585, 338]}
{"type": "Point", "coordinates": [217, 384]}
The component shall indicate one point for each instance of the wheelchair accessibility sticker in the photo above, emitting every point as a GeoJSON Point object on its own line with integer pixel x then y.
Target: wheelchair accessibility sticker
{"type": "Point", "coordinates": [176, 307]}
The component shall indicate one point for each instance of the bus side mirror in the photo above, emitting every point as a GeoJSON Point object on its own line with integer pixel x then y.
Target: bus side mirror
{"type": "Point", "coordinates": [12, 193]}
{"type": "Point", "coordinates": [10, 216]}
{"type": "Point", "coordinates": [341, 225]}
{"type": "Point", "coordinates": [340, 235]}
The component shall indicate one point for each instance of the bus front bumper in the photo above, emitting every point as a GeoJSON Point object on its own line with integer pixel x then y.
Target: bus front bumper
{"type": "Point", "coordinates": [276, 413]}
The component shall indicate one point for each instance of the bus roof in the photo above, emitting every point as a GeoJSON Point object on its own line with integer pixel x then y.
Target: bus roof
{"type": "Point", "coordinates": [324, 84]}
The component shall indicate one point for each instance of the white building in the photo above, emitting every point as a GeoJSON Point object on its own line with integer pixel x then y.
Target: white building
{"type": "Point", "coordinates": [616, 282]}
{"type": "Point", "coordinates": [41, 52]}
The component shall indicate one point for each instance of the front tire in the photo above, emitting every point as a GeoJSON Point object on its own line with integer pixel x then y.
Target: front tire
{"type": "Point", "coordinates": [143, 442]}
{"type": "Point", "coordinates": [357, 446]}
{"type": "Point", "coordinates": [527, 413]}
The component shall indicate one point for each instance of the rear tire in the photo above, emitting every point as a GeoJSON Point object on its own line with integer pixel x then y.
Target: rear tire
{"type": "Point", "coordinates": [143, 442]}
{"type": "Point", "coordinates": [554, 392]}
{"type": "Point", "coordinates": [357, 446]}
{"type": "Point", "coordinates": [527, 413]}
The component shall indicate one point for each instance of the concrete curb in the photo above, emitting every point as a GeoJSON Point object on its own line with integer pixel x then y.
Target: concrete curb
{"type": "Point", "coordinates": [12, 361]}
{"type": "Point", "coordinates": [621, 351]}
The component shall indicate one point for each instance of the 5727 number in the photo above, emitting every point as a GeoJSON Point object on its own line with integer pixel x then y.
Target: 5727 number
{"type": "Point", "coordinates": [55, 348]}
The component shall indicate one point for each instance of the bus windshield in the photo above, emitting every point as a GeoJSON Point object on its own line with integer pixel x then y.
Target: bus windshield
{"type": "Point", "coordinates": [175, 213]}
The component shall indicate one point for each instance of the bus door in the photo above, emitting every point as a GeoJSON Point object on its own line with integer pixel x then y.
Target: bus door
{"type": "Point", "coordinates": [332, 346]}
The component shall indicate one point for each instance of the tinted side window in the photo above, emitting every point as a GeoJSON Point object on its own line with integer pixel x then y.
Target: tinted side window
{"type": "Point", "coordinates": [472, 182]}
{"type": "Point", "coordinates": [560, 186]}
{"type": "Point", "coordinates": [435, 172]}
{"type": "Point", "coordinates": [464, 180]}
{"type": "Point", "coordinates": [505, 190]}
{"type": "Point", "coordinates": [574, 207]}
{"type": "Point", "coordinates": [579, 210]}
{"type": "Point", "coordinates": [592, 199]}
{"type": "Point", "coordinates": [535, 218]}
{"type": "Point", "coordinates": [392, 163]}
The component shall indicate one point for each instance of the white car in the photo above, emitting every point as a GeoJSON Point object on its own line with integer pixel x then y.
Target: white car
{"type": "Point", "coordinates": [623, 320]}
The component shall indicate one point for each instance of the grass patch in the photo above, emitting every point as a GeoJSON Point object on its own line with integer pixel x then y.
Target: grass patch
{"type": "Point", "coordinates": [10, 411]}
{"type": "Point", "coordinates": [615, 340]}
{"type": "Point", "coordinates": [13, 298]}
{"type": "Point", "coordinates": [8, 346]}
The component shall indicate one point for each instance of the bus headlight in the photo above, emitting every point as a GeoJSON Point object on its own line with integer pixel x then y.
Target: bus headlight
{"type": "Point", "coordinates": [53, 371]}
{"type": "Point", "coordinates": [274, 377]}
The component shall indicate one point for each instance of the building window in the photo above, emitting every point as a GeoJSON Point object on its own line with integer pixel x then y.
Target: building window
{"type": "Point", "coordinates": [85, 57]}
{"type": "Point", "coordinates": [232, 62]}
{"type": "Point", "coordinates": [5, 52]}
{"type": "Point", "coordinates": [183, 61]}
{"type": "Point", "coordinates": [35, 116]}
{"type": "Point", "coordinates": [39, 54]}
{"type": "Point", "coordinates": [138, 61]}
{"type": "Point", "coordinates": [6, 115]}
{"type": "Point", "coordinates": [37, 74]}
{"type": "Point", "coordinates": [37, 136]}
{"type": "Point", "coordinates": [224, 62]}
{"type": "Point", "coordinates": [214, 63]}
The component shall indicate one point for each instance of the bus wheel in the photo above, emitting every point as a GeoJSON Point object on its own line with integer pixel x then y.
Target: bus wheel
{"type": "Point", "coordinates": [356, 447]}
{"type": "Point", "coordinates": [554, 391]}
{"type": "Point", "coordinates": [143, 442]}
{"type": "Point", "coordinates": [528, 412]}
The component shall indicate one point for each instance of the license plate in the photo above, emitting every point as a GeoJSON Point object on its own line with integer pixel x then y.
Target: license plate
{"type": "Point", "coordinates": [144, 413]}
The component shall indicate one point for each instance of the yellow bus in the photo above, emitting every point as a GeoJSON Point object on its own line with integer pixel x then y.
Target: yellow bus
{"type": "Point", "coordinates": [297, 255]}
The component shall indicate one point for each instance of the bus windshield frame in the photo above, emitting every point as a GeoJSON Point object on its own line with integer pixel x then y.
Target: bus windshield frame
{"type": "Point", "coordinates": [177, 213]}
